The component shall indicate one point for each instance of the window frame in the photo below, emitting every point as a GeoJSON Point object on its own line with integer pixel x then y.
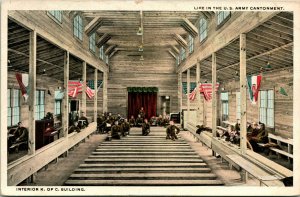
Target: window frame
{"type": "Point", "coordinates": [78, 27]}
{"type": "Point", "coordinates": [224, 102]}
{"type": "Point", "coordinates": [265, 107]}
{"type": "Point", "coordinates": [40, 104]}
{"type": "Point", "coordinates": [13, 106]}
{"type": "Point", "coordinates": [101, 52]}
{"type": "Point", "coordinates": [54, 18]}
{"type": "Point", "coordinates": [182, 54]}
{"type": "Point", "coordinates": [201, 31]}
{"type": "Point", "coordinates": [224, 20]}
{"type": "Point", "coordinates": [56, 107]}
{"type": "Point", "coordinates": [92, 38]}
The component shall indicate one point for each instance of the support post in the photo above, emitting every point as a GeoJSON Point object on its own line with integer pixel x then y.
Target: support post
{"type": "Point", "coordinates": [83, 97]}
{"type": "Point", "coordinates": [96, 94]}
{"type": "Point", "coordinates": [104, 91]}
{"type": "Point", "coordinates": [65, 102]}
{"type": "Point", "coordinates": [198, 98]}
{"type": "Point", "coordinates": [32, 87]}
{"type": "Point", "coordinates": [214, 95]}
{"type": "Point", "coordinates": [188, 87]}
{"type": "Point", "coordinates": [180, 94]}
{"type": "Point", "coordinates": [243, 92]}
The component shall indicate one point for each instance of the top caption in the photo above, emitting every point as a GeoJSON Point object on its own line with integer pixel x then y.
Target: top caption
{"type": "Point", "coordinates": [246, 8]}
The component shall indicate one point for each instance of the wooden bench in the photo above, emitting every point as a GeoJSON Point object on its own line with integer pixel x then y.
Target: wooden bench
{"type": "Point", "coordinates": [279, 140]}
{"type": "Point", "coordinates": [247, 166]}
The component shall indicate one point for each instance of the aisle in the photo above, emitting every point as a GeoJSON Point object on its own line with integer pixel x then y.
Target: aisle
{"type": "Point", "coordinates": [143, 161]}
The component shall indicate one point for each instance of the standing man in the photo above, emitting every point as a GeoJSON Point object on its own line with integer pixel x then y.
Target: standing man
{"type": "Point", "coordinates": [142, 113]}
{"type": "Point", "coordinates": [125, 127]}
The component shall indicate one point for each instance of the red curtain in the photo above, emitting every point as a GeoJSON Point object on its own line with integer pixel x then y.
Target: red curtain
{"type": "Point", "coordinates": [137, 100]}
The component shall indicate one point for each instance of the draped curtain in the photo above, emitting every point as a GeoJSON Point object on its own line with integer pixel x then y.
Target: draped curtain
{"type": "Point", "coordinates": [147, 100]}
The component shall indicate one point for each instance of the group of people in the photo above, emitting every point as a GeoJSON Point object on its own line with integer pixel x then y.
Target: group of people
{"type": "Point", "coordinates": [154, 121]}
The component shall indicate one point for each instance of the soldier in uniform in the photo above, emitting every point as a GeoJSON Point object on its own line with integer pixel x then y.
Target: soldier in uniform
{"type": "Point", "coordinates": [85, 122]}
{"type": "Point", "coordinates": [172, 131]}
{"type": "Point", "coordinates": [142, 113]}
{"type": "Point", "coordinates": [115, 130]}
{"type": "Point", "coordinates": [139, 121]}
{"type": "Point", "coordinates": [21, 133]}
{"type": "Point", "coordinates": [132, 121]}
{"type": "Point", "coordinates": [159, 120]}
{"type": "Point", "coordinates": [145, 127]}
{"type": "Point", "coordinates": [125, 127]}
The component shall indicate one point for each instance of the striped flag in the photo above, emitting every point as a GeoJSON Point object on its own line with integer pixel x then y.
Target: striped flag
{"type": "Point", "coordinates": [74, 88]}
{"type": "Point", "coordinates": [193, 94]}
{"type": "Point", "coordinates": [23, 83]}
{"type": "Point", "coordinates": [206, 90]}
{"type": "Point", "coordinates": [89, 92]}
{"type": "Point", "coordinates": [253, 87]}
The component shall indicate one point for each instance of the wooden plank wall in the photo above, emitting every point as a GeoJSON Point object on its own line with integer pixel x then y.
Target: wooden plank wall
{"type": "Point", "coordinates": [283, 104]}
{"type": "Point", "coordinates": [157, 70]}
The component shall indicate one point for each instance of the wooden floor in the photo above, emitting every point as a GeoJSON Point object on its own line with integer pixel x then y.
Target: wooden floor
{"type": "Point", "coordinates": [138, 160]}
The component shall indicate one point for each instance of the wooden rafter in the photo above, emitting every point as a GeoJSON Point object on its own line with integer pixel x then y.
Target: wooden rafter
{"type": "Point", "coordinates": [180, 40]}
{"type": "Point", "coordinates": [170, 51]}
{"type": "Point", "coordinates": [189, 27]}
{"type": "Point", "coordinates": [93, 26]}
{"type": "Point", "coordinates": [110, 49]}
{"type": "Point", "coordinates": [103, 39]}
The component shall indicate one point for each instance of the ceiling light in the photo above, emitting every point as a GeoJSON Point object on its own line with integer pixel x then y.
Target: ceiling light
{"type": "Point", "coordinates": [141, 48]}
{"type": "Point", "coordinates": [142, 58]}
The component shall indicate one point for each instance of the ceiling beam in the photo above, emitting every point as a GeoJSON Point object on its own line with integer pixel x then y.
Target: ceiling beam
{"type": "Point", "coordinates": [110, 49]}
{"type": "Point", "coordinates": [175, 49]}
{"type": "Point", "coordinates": [113, 53]}
{"type": "Point", "coordinates": [172, 54]}
{"type": "Point", "coordinates": [103, 39]}
{"type": "Point", "coordinates": [180, 40]}
{"type": "Point", "coordinates": [93, 26]}
{"type": "Point", "coordinates": [189, 27]}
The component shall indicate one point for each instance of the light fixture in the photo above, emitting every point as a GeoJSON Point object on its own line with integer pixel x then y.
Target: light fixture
{"type": "Point", "coordinates": [268, 66]}
{"type": "Point", "coordinates": [44, 72]}
{"type": "Point", "coordinates": [167, 97]}
{"type": "Point", "coordinates": [141, 48]}
{"type": "Point", "coordinates": [142, 58]}
{"type": "Point", "coordinates": [139, 32]}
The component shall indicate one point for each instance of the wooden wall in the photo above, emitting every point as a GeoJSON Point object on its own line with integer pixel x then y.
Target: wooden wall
{"type": "Point", "coordinates": [283, 112]}
{"type": "Point", "coordinates": [157, 70]}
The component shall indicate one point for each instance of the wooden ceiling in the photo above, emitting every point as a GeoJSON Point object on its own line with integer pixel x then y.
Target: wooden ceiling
{"type": "Point", "coordinates": [270, 42]}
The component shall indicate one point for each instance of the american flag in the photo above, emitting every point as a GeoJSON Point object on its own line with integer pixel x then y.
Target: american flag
{"type": "Point", "coordinates": [193, 94]}
{"type": "Point", "coordinates": [89, 92]}
{"type": "Point", "coordinates": [206, 89]}
{"type": "Point", "coordinates": [74, 88]}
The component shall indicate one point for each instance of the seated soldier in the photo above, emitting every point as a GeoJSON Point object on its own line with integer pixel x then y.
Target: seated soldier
{"type": "Point", "coordinates": [20, 134]}
{"type": "Point", "coordinates": [132, 121]}
{"type": "Point", "coordinates": [145, 127]}
{"type": "Point", "coordinates": [153, 121]}
{"type": "Point", "coordinates": [119, 117]}
{"type": "Point", "coordinates": [115, 130]}
{"type": "Point", "coordinates": [200, 128]}
{"type": "Point", "coordinates": [125, 127]}
{"type": "Point", "coordinates": [159, 120]}
{"type": "Point", "coordinates": [139, 121]}
{"type": "Point", "coordinates": [101, 123]}
{"type": "Point", "coordinates": [83, 121]}
{"type": "Point", "coordinates": [172, 131]}
{"type": "Point", "coordinates": [259, 135]}
{"type": "Point", "coordinates": [165, 121]}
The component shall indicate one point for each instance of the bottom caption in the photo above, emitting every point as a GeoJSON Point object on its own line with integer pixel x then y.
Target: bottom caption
{"type": "Point", "coordinates": [50, 189]}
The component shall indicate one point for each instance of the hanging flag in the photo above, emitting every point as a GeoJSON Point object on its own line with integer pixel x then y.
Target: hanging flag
{"type": "Point", "coordinates": [89, 92]}
{"type": "Point", "coordinates": [253, 87]}
{"type": "Point", "coordinates": [206, 90]}
{"type": "Point", "coordinates": [193, 94]}
{"type": "Point", "coordinates": [74, 88]}
{"type": "Point", "coordinates": [282, 91]}
{"type": "Point", "coordinates": [23, 83]}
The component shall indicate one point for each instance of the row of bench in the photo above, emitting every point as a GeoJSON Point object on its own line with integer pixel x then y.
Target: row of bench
{"type": "Point", "coordinates": [266, 171]}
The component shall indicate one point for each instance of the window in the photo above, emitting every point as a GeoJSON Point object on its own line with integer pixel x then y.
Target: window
{"type": "Point", "coordinates": [266, 110]}
{"type": "Point", "coordinates": [39, 104]}
{"type": "Point", "coordinates": [221, 16]}
{"type": "Point", "coordinates": [58, 101]}
{"type": "Point", "coordinates": [77, 25]}
{"type": "Point", "coordinates": [224, 102]}
{"type": "Point", "coordinates": [238, 106]}
{"type": "Point", "coordinates": [101, 55]}
{"type": "Point", "coordinates": [56, 14]}
{"type": "Point", "coordinates": [191, 44]}
{"type": "Point", "coordinates": [106, 59]}
{"type": "Point", "coordinates": [92, 42]}
{"type": "Point", "coordinates": [13, 107]}
{"type": "Point", "coordinates": [177, 60]}
{"type": "Point", "coordinates": [203, 29]}
{"type": "Point", "coordinates": [192, 87]}
{"type": "Point", "coordinates": [182, 53]}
